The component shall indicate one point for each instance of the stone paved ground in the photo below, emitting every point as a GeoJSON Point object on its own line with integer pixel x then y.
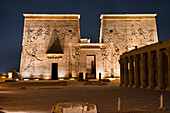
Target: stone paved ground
{"type": "Point", "coordinates": [39, 97]}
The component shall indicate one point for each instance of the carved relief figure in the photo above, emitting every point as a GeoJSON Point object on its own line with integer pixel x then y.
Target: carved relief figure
{"type": "Point", "coordinates": [47, 32]}
{"type": "Point", "coordinates": [39, 32]}
{"type": "Point", "coordinates": [33, 56]}
{"type": "Point", "coordinates": [33, 52]}
{"type": "Point", "coordinates": [133, 32]}
{"type": "Point", "coordinates": [29, 36]}
{"type": "Point", "coordinates": [105, 57]}
{"type": "Point", "coordinates": [141, 32]}
{"type": "Point", "coordinates": [150, 31]}
{"type": "Point", "coordinates": [56, 33]}
{"type": "Point", "coordinates": [115, 32]}
{"type": "Point", "coordinates": [116, 52]}
{"type": "Point", "coordinates": [76, 56]}
{"type": "Point", "coordinates": [33, 34]}
{"type": "Point", "coordinates": [124, 34]}
{"type": "Point", "coordinates": [74, 32]}
{"type": "Point", "coordinates": [30, 64]}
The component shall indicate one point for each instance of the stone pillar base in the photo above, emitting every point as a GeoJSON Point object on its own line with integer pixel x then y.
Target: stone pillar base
{"type": "Point", "coordinates": [168, 88]}
{"type": "Point", "coordinates": [130, 85]}
{"type": "Point", "coordinates": [135, 86]}
{"type": "Point", "coordinates": [143, 87]}
{"type": "Point", "coordinates": [124, 85]}
{"type": "Point", "coordinates": [159, 88]}
{"type": "Point", "coordinates": [149, 87]}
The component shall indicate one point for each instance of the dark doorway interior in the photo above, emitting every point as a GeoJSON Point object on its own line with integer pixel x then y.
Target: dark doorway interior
{"type": "Point", "coordinates": [54, 75]}
{"type": "Point", "coordinates": [91, 66]}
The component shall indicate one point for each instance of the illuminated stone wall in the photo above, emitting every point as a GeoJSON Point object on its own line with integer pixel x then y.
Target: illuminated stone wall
{"type": "Point", "coordinates": [121, 33]}
{"type": "Point", "coordinates": [40, 31]}
{"type": "Point", "coordinates": [97, 53]}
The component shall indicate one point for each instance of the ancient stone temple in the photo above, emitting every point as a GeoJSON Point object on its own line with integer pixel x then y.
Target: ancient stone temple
{"type": "Point", "coordinates": [52, 46]}
{"type": "Point", "coordinates": [147, 67]}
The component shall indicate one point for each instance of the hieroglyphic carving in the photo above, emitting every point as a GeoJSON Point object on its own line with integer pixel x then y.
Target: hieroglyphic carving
{"type": "Point", "coordinates": [47, 32]}
{"type": "Point", "coordinates": [32, 34]}
{"type": "Point", "coordinates": [32, 53]}
{"type": "Point", "coordinates": [30, 64]}
{"type": "Point", "coordinates": [141, 32]}
{"type": "Point", "coordinates": [76, 57]}
{"type": "Point", "coordinates": [150, 31]}
{"type": "Point", "coordinates": [122, 33]}
{"type": "Point", "coordinates": [39, 32]}
{"type": "Point", "coordinates": [133, 32]}
{"type": "Point", "coordinates": [115, 32]}
{"type": "Point", "coordinates": [29, 34]}
{"type": "Point", "coordinates": [116, 52]}
{"type": "Point", "coordinates": [104, 58]}
{"type": "Point", "coordinates": [74, 32]}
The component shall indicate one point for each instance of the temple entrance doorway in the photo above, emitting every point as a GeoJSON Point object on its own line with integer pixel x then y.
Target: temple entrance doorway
{"type": "Point", "coordinates": [54, 74]}
{"type": "Point", "coordinates": [91, 66]}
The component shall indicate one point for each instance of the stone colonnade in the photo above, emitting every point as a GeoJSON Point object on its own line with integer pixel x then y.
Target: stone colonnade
{"type": "Point", "coordinates": [147, 67]}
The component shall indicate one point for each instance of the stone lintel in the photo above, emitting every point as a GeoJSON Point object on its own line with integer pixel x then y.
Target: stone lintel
{"type": "Point", "coordinates": [91, 45]}
{"type": "Point", "coordinates": [124, 16]}
{"type": "Point", "coordinates": [52, 16]}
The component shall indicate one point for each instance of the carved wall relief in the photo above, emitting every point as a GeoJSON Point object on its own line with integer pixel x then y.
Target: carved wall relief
{"type": "Point", "coordinates": [47, 32]}
{"type": "Point", "coordinates": [128, 32]}
{"type": "Point", "coordinates": [116, 52]}
{"type": "Point", "coordinates": [29, 34]}
{"type": "Point", "coordinates": [32, 52]}
{"type": "Point", "coordinates": [104, 58]}
{"type": "Point", "coordinates": [150, 31]}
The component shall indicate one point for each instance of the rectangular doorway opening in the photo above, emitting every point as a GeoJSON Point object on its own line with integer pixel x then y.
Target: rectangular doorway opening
{"type": "Point", "coordinates": [91, 66]}
{"type": "Point", "coordinates": [54, 74]}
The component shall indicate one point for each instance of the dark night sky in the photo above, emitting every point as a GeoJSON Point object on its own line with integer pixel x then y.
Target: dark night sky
{"type": "Point", "coordinates": [11, 20]}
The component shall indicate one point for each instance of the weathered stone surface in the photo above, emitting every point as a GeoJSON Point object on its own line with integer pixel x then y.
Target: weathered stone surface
{"type": "Point", "coordinates": [121, 33]}
{"type": "Point", "coordinates": [74, 107]}
{"type": "Point", "coordinates": [39, 35]}
{"type": "Point", "coordinates": [151, 66]}
{"type": "Point", "coordinates": [43, 33]}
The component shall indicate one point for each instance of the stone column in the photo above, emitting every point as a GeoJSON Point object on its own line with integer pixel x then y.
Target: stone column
{"type": "Point", "coordinates": [121, 72]}
{"type": "Point", "coordinates": [126, 78]}
{"type": "Point", "coordinates": [143, 71]}
{"type": "Point", "coordinates": [151, 76]}
{"type": "Point", "coordinates": [131, 72]}
{"type": "Point", "coordinates": [136, 72]}
{"type": "Point", "coordinates": [167, 52]}
{"type": "Point", "coordinates": [161, 76]}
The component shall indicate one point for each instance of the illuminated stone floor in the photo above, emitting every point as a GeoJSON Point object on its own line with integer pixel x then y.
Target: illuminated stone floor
{"type": "Point", "coordinates": [40, 98]}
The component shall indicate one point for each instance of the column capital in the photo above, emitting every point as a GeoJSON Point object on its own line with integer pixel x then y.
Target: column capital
{"type": "Point", "coordinates": [167, 53]}
{"type": "Point", "coordinates": [120, 61]}
{"type": "Point", "coordinates": [125, 60]}
{"type": "Point", "coordinates": [136, 58]}
{"type": "Point", "coordinates": [143, 55]}
{"type": "Point", "coordinates": [150, 53]}
{"type": "Point", "coordinates": [130, 58]}
{"type": "Point", "coordinates": [159, 53]}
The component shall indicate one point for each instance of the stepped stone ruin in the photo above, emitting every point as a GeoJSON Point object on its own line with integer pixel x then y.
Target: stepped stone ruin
{"type": "Point", "coordinates": [52, 46]}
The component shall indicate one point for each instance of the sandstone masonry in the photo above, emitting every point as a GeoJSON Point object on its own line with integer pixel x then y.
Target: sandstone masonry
{"type": "Point", "coordinates": [52, 46]}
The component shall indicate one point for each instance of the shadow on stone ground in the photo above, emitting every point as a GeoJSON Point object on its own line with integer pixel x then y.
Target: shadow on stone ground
{"type": "Point", "coordinates": [41, 96]}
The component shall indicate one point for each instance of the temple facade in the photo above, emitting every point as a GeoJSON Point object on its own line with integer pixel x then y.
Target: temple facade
{"type": "Point", "coordinates": [53, 48]}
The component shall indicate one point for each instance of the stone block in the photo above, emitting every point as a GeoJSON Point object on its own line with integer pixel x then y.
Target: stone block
{"type": "Point", "coordinates": [74, 107]}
